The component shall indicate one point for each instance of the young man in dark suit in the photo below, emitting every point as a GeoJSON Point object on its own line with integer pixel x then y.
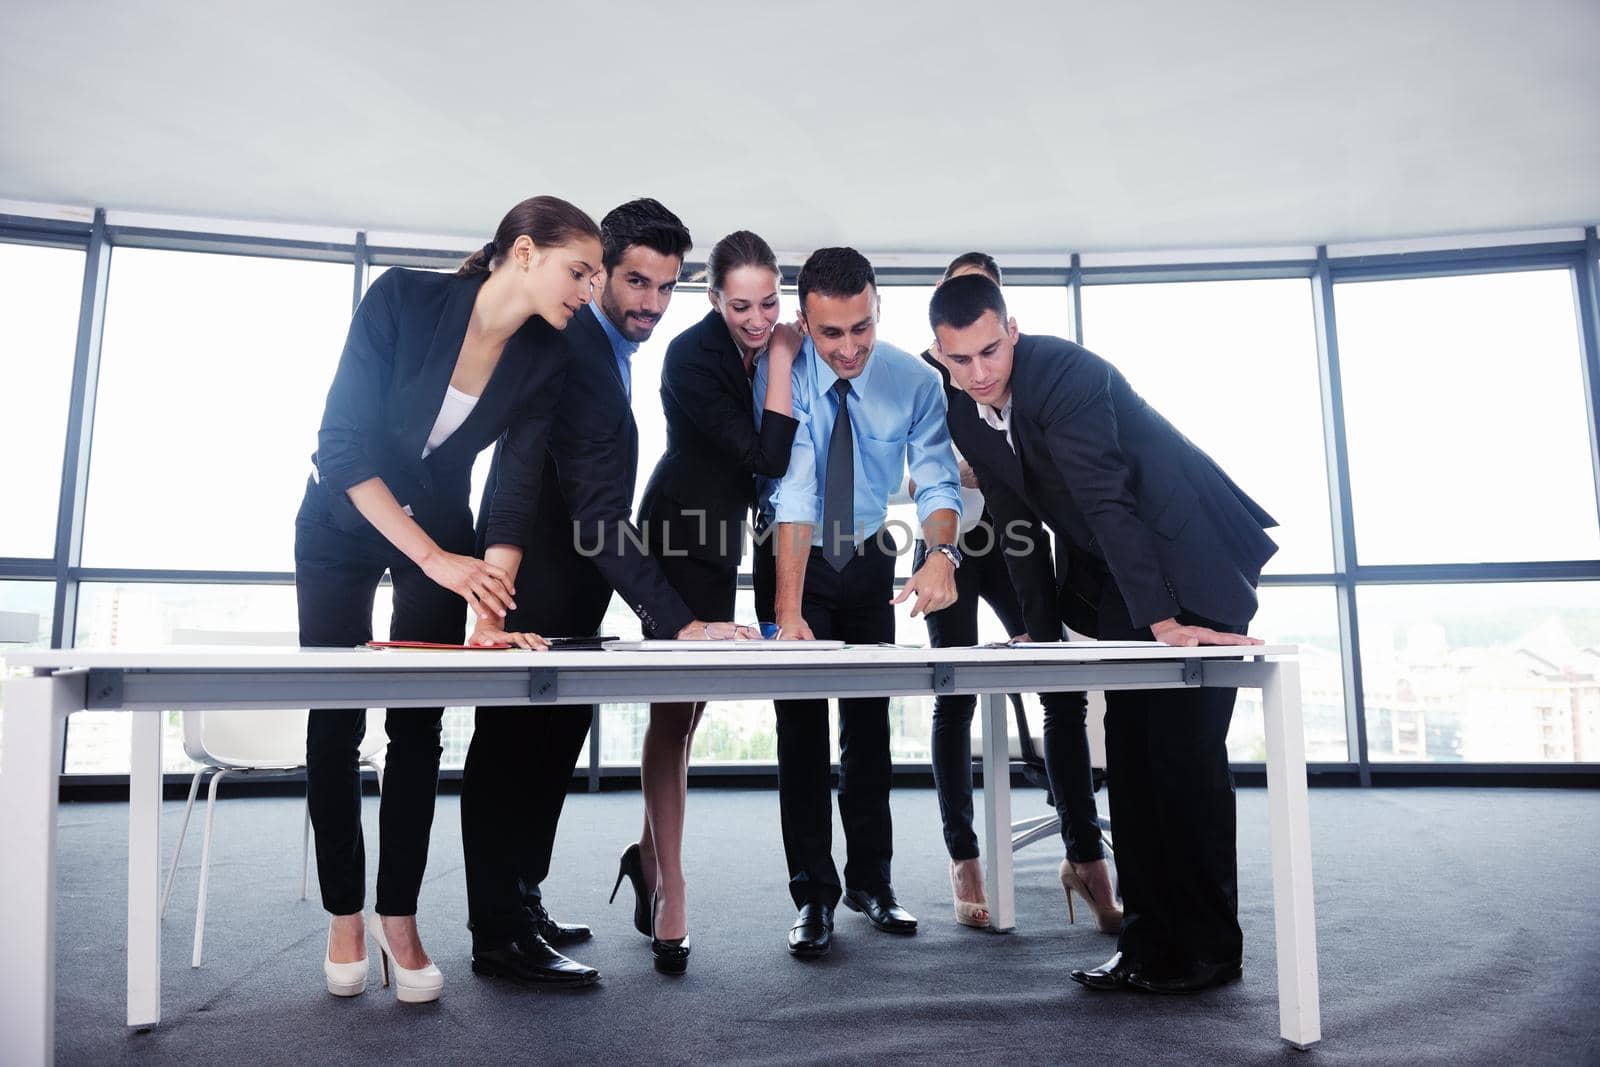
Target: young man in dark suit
{"type": "Point", "coordinates": [1154, 542]}
{"type": "Point", "coordinates": [579, 547]}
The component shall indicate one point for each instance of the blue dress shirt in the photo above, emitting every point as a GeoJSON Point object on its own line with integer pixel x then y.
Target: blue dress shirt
{"type": "Point", "coordinates": [621, 347]}
{"type": "Point", "coordinates": [897, 415]}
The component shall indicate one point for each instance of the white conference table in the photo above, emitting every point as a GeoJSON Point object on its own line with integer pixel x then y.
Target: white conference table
{"type": "Point", "coordinates": [145, 684]}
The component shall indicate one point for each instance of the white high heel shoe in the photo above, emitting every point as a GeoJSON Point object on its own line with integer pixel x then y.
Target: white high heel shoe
{"type": "Point", "coordinates": [410, 986]}
{"type": "Point", "coordinates": [344, 979]}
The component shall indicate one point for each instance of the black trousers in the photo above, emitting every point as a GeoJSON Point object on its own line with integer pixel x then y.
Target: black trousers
{"type": "Point", "coordinates": [520, 762]}
{"type": "Point", "coordinates": [983, 575]}
{"type": "Point", "coordinates": [336, 575]}
{"type": "Point", "coordinates": [513, 788]}
{"type": "Point", "coordinates": [1172, 806]}
{"type": "Point", "coordinates": [848, 605]}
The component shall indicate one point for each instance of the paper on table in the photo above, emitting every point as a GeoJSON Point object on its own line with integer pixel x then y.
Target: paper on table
{"type": "Point", "coordinates": [735, 645]}
{"type": "Point", "coordinates": [1073, 644]}
{"type": "Point", "coordinates": [434, 646]}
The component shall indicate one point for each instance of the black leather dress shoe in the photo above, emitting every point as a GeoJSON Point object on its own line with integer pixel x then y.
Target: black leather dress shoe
{"type": "Point", "coordinates": [1195, 977]}
{"type": "Point", "coordinates": [812, 933]}
{"type": "Point", "coordinates": [1112, 974]}
{"type": "Point", "coordinates": [530, 959]}
{"type": "Point", "coordinates": [558, 933]}
{"type": "Point", "coordinates": [881, 910]}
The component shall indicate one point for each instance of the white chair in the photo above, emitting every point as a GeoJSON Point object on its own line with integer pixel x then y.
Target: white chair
{"type": "Point", "coordinates": [248, 743]}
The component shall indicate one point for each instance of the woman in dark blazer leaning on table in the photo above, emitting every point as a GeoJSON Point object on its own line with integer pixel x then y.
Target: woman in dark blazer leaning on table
{"type": "Point", "coordinates": [435, 368]}
{"type": "Point", "coordinates": [694, 512]}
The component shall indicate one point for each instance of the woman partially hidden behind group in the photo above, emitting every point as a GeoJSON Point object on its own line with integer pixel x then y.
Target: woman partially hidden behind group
{"type": "Point", "coordinates": [435, 369]}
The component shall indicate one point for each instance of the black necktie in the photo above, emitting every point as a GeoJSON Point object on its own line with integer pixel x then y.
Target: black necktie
{"type": "Point", "coordinates": [839, 487]}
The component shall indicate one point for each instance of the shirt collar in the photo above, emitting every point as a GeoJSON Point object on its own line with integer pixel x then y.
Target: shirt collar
{"type": "Point", "coordinates": [999, 420]}
{"type": "Point", "coordinates": [824, 375]}
{"type": "Point", "coordinates": [621, 347]}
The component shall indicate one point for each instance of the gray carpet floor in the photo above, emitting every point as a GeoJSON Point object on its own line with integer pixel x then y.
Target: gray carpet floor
{"type": "Point", "coordinates": [1454, 926]}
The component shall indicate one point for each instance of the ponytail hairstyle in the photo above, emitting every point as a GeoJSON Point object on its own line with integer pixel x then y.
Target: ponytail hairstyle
{"type": "Point", "coordinates": [739, 249]}
{"type": "Point", "coordinates": [548, 221]}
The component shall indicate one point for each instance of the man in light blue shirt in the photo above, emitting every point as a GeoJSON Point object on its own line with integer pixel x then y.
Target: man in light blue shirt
{"type": "Point", "coordinates": [865, 410]}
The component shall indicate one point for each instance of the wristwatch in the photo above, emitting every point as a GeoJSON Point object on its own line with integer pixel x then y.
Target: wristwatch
{"type": "Point", "coordinates": [951, 552]}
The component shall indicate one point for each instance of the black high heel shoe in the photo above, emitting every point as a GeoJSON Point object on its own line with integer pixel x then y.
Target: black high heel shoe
{"type": "Point", "coordinates": [632, 868]}
{"type": "Point", "coordinates": [672, 956]}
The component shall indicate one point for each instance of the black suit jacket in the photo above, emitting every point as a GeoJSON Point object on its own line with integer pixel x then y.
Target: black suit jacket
{"type": "Point", "coordinates": [386, 394]}
{"type": "Point", "coordinates": [1018, 532]}
{"type": "Point", "coordinates": [1130, 499]}
{"type": "Point", "coordinates": [704, 487]}
{"type": "Point", "coordinates": [579, 544]}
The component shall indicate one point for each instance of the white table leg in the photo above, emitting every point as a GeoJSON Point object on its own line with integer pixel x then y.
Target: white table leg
{"type": "Point", "coordinates": [36, 712]}
{"type": "Point", "coordinates": [1299, 1012]}
{"type": "Point", "coordinates": [144, 870]}
{"type": "Point", "coordinates": [997, 812]}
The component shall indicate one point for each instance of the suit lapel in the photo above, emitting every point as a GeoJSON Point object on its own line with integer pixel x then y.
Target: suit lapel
{"type": "Point", "coordinates": [592, 342]}
{"type": "Point", "coordinates": [593, 334]}
{"type": "Point", "coordinates": [428, 395]}
{"type": "Point", "coordinates": [1028, 449]}
{"type": "Point", "coordinates": [719, 344]}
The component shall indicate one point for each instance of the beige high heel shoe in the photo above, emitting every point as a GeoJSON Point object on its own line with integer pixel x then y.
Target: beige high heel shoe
{"type": "Point", "coordinates": [1107, 915]}
{"type": "Point", "coordinates": [344, 979]}
{"type": "Point", "coordinates": [417, 985]}
{"type": "Point", "coordinates": [973, 913]}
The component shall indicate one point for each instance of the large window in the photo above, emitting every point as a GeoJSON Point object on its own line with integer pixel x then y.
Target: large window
{"type": "Point", "coordinates": [1466, 419]}
{"type": "Point", "coordinates": [1234, 366]}
{"type": "Point", "coordinates": [212, 383]}
{"type": "Point", "coordinates": [41, 290]}
{"type": "Point", "coordinates": [1464, 403]}
{"type": "Point", "coordinates": [1485, 673]}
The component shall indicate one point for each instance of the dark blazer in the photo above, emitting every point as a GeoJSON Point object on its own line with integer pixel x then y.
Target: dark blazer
{"type": "Point", "coordinates": [386, 394]}
{"type": "Point", "coordinates": [1018, 531]}
{"type": "Point", "coordinates": [1130, 499]}
{"type": "Point", "coordinates": [714, 450]}
{"type": "Point", "coordinates": [585, 502]}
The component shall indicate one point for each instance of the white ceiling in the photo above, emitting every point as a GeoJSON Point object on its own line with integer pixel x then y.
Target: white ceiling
{"type": "Point", "coordinates": [908, 126]}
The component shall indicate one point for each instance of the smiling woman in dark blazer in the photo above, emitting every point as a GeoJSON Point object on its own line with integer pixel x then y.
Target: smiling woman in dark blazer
{"type": "Point", "coordinates": [435, 368]}
{"type": "Point", "coordinates": [694, 512]}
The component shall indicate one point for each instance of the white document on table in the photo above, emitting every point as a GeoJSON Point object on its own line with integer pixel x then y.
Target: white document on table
{"type": "Point", "coordinates": [1074, 644]}
{"type": "Point", "coordinates": [732, 645]}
